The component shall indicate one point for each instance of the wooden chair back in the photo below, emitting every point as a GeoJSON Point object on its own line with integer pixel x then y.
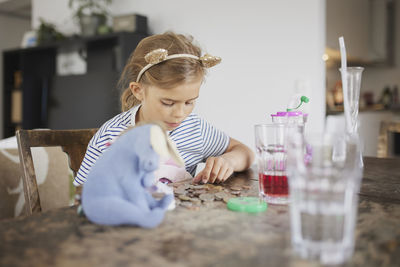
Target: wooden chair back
{"type": "Point", "coordinates": [386, 128]}
{"type": "Point", "coordinates": [72, 142]}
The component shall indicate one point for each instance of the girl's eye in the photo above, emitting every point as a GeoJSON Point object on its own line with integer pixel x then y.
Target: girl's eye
{"type": "Point", "coordinates": [168, 104]}
{"type": "Point", "coordinates": [189, 103]}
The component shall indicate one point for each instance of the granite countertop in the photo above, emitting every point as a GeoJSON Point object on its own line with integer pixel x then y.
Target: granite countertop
{"type": "Point", "coordinates": [209, 235]}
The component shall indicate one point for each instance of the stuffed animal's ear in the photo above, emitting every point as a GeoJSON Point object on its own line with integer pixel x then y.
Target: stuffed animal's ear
{"type": "Point", "coordinates": [163, 146]}
{"type": "Point", "coordinates": [173, 151]}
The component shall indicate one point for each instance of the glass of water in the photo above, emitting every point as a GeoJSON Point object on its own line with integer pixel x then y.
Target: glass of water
{"type": "Point", "coordinates": [324, 176]}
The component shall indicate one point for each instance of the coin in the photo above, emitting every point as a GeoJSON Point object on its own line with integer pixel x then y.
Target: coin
{"type": "Point", "coordinates": [199, 192]}
{"type": "Point", "coordinates": [218, 188]}
{"type": "Point", "coordinates": [220, 195]}
{"type": "Point", "coordinates": [207, 197]}
{"type": "Point", "coordinates": [199, 187]}
{"type": "Point", "coordinates": [236, 188]}
{"type": "Point", "coordinates": [235, 193]}
{"type": "Point", "coordinates": [184, 198]}
{"type": "Point", "coordinates": [214, 188]}
{"type": "Point", "coordinates": [191, 195]}
{"type": "Point", "coordinates": [180, 190]}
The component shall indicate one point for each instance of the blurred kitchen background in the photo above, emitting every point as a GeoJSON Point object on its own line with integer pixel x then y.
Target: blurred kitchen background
{"type": "Point", "coordinates": [56, 74]}
{"type": "Point", "coordinates": [372, 33]}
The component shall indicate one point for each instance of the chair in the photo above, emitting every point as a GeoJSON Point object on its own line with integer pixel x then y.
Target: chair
{"type": "Point", "coordinates": [386, 128]}
{"type": "Point", "coordinates": [72, 142]}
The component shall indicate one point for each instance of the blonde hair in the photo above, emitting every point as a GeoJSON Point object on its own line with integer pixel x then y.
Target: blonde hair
{"type": "Point", "coordinates": [167, 74]}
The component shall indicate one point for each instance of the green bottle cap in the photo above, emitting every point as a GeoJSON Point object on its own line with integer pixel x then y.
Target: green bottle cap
{"type": "Point", "coordinates": [247, 204]}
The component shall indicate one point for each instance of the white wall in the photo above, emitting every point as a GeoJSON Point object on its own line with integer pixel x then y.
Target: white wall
{"type": "Point", "coordinates": [11, 32]}
{"type": "Point", "coordinates": [266, 46]}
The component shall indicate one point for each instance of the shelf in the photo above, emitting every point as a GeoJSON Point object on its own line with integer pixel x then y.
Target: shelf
{"type": "Point", "coordinates": [334, 60]}
{"type": "Point", "coordinates": [66, 102]}
{"type": "Point", "coordinates": [77, 39]}
{"type": "Point", "coordinates": [374, 108]}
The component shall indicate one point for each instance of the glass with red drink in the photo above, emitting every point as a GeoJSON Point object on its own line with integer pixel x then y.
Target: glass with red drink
{"type": "Point", "coordinates": [271, 160]}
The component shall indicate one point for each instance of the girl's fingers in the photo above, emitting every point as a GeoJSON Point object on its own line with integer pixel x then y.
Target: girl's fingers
{"type": "Point", "coordinates": [221, 174]}
{"type": "Point", "coordinates": [218, 170]}
{"type": "Point", "coordinates": [227, 174]}
{"type": "Point", "coordinates": [205, 174]}
{"type": "Point", "coordinates": [198, 177]}
{"type": "Point", "coordinates": [224, 176]}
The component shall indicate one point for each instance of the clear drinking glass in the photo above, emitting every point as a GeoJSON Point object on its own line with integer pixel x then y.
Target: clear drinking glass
{"type": "Point", "coordinates": [324, 179]}
{"type": "Point", "coordinates": [354, 75]}
{"type": "Point", "coordinates": [290, 117]}
{"type": "Point", "coordinates": [271, 160]}
{"type": "Point", "coordinates": [353, 80]}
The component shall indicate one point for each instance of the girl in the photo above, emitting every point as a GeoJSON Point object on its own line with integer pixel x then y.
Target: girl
{"type": "Point", "coordinates": [161, 82]}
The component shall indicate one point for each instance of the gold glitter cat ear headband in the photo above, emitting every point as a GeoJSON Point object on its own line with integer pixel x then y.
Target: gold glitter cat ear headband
{"type": "Point", "coordinates": [160, 55]}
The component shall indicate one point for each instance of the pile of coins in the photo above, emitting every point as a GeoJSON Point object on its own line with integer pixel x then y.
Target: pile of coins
{"type": "Point", "coordinates": [192, 196]}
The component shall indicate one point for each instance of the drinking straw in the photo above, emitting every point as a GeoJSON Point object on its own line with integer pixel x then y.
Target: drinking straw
{"type": "Point", "coordinates": [344, 83]}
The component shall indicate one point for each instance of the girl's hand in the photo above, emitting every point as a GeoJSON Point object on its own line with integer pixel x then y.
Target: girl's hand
{"type": "Point", "coordinates": [217, 170]}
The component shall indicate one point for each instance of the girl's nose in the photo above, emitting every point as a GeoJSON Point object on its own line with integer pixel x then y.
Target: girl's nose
{"type": "Point", "coordinates": [179, 111]}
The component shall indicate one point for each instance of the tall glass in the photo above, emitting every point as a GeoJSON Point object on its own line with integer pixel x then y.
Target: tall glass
{"type": "Point", "coordinates": [271, 160]}
{"type": "Point", "coordinates": [324, 179]}
{"type": "Point", "coordinates": [353, 75]}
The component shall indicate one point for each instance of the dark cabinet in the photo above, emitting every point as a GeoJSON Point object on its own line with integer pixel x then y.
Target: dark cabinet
{"type": "Point", "coordinates": [35, 96]}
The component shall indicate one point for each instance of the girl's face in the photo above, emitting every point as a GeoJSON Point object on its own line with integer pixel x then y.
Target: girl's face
{"type": "Point", "coordinates": [168, 106]}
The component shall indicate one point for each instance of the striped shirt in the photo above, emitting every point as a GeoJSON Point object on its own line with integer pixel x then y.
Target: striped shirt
{"type": "Point", "coordinates": [195, 139]}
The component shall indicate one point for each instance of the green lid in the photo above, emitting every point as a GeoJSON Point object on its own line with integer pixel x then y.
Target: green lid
{"type": "Point", "coordinates": [247, 204]}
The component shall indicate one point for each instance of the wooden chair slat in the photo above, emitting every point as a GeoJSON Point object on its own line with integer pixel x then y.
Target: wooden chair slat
{"type": "Point", "coordinates": [72, 142]}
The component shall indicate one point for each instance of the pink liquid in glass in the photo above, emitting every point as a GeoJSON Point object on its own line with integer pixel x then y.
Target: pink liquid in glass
{"type": "Point", "coordinates": [274, 185]}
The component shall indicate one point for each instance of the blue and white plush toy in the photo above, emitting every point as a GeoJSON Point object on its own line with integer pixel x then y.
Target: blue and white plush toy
{"type": "Point", "coordinates": [117, 187]}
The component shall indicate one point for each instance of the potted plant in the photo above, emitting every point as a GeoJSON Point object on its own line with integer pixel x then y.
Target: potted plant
{"type": "Point", "coordinates": [91, 15]}
{"type": "Point", "coordinates": [47, 33]}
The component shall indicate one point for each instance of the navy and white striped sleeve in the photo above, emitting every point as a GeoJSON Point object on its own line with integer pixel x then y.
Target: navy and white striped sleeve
{"type": "Point", "coordinates": [93, 152]}
{"type": "Point", "coordinates": [215, 142]}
